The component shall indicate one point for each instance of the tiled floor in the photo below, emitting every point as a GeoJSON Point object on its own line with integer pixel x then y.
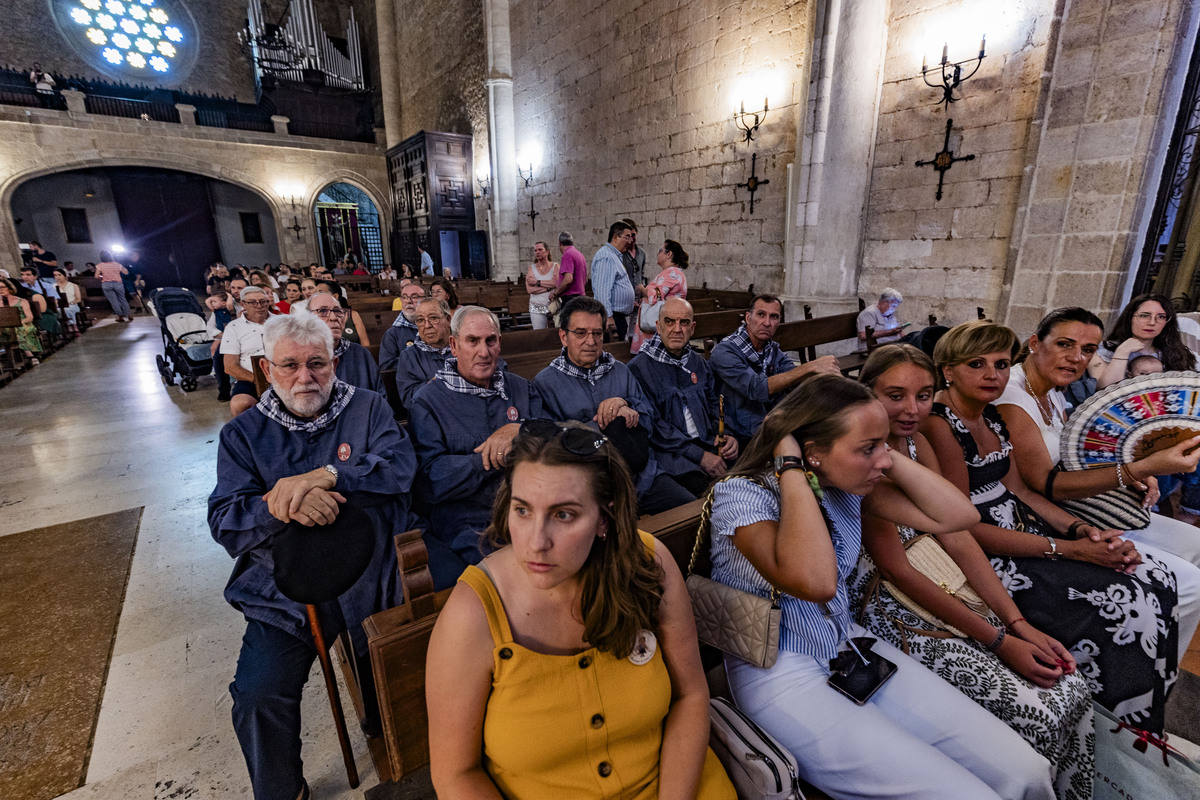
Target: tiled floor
{"type": "Point", "coordinates": [91, 431]}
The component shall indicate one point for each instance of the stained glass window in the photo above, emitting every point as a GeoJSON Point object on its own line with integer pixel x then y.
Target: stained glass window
{"type": "Point", "coordinates": [142, 39]}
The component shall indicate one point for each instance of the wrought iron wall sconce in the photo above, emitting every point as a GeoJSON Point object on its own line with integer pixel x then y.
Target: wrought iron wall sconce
{"type": "Point", "coordinates": [952, 73]}
{"type": "Point", "coordinates": [526, 175]}
{"type": "Point", "coordinates": [748, 121]}
{"type": "Point", "coordinates": [484, 181]}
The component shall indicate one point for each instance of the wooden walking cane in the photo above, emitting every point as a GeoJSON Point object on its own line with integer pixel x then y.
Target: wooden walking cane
{"type": "Point", "coordinates": [335, 700]}
{"type": "Point", "coordinates": [720, 423]}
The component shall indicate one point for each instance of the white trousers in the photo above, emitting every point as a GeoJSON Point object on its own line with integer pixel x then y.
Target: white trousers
{"type": "Point", "coordinates": [917, 738]}
{"type": "Point", "coordinates": [1176, 544]}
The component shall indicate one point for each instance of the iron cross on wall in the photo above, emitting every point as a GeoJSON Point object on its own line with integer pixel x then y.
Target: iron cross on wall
{"type": "Point", "coordinates": [752, 183]}
{"type": "Point", "coordinates": [944, 160]}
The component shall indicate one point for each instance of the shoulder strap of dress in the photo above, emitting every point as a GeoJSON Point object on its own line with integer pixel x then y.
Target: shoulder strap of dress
{"type": "Point", "coordinates": [479, 578]}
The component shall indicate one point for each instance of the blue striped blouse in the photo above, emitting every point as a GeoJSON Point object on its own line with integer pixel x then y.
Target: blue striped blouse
{"type": "Point", "coordinates": [804, 629]}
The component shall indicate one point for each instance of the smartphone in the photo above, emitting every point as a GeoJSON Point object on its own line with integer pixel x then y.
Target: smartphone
{"type": "Point", "coordinates": [860, 681]}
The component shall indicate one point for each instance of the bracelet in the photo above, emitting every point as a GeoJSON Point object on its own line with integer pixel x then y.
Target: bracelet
{"type": "Point", "coordinates": [1001, 632]}
{"type": "Point", "coordinates": [1052, 553]}
{"type": "Point", "coordinates": [1015, 621]}
{"type": "Point", "coordinates": [1073, 528]}
{"type": "Point", "coordinates": [1120, 475]}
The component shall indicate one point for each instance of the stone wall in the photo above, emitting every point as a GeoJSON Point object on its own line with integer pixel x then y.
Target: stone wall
{"type": "Point", "coordinates": [630, 103]}
{"type": "Point", "coordinates": [276, 167]}
{"type": "Point", "coordinates": [1095, 164]}
{"type": "Point", "coordinates": [947, 256]}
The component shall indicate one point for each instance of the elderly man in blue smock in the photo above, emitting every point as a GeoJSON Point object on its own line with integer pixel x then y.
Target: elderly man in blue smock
{"type": "Point", "coordinates": [311, 449]}
{"type": "Point", "coordinates": [355, 365]}
{"type": "Point", "coordinates": [588, 385]}
{"type": "Point", "coordinates": [610, 281]}
{"type": "Point", "coordinates": [463, 422]}
{"type": "Point", "coordinates": [403, 331]}
{"type": "Point", "coordinates": [680, 386]}
{"type": "Point", "coordinates": [753, 372]}
{"type": "Point", "coordinates": [417, 364]}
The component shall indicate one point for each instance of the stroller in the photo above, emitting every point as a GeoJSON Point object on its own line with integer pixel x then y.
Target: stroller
{"type": "Point", "coordinates": [186, 341]}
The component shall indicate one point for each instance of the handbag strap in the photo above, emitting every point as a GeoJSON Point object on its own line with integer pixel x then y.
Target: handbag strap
{"type": "Point", "coordinates": [705, 525]}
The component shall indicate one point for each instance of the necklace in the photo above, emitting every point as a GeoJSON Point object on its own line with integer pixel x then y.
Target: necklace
{"type": "Point", "coordinates": [1051, 419]}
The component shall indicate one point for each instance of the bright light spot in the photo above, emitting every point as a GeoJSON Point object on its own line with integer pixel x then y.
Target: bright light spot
{"type": "Point", "coordinates": [159, 63]}
{"type": "Point", "coordinates": [166, 48]}
{"type": "Point", "coordinates": [289, 189]}
{"type": "Point", "coordinates": [751, 92]}
{"type": "Point", "coordinates": [94, 5]}
{"type": "Point", "coordinates": [111, 56]}
{"type": "Point", "coordinates": [531, 156]}
{"type": "Point", "coordinates": [80, 16]}
{"type": "Point", "coordinates": [152, 30]}
{"type": "Point", "coordinates": [129, 26]}
{"type": "Point", "coordinates": [173, 33]}
{"type": "Point", "coordinates": [96, 36]}
{"type": "Point", "coordinates": [959, 34]}
{"type": "Point", "coordinates": [121, 41]}
{"type": "Point", "coordinates": [159, 16]}
{"type": "Point", "coordinates": [118, 248]}
{"type": "Point", "coordinates": [136, 60]}
{"type": "Point", "coordinates": [144, 45]}
{"type": "Point", "coordinates": [147, 2]}
{"type": "Point", "coordinates": [137, 12]}
{"type": "Point", "coordinates": [105, 21]}
{"type": "Point", "coordinates": [115, 6]}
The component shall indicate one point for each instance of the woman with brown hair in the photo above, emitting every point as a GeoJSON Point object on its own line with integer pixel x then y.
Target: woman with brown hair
{"type": "Point", "coordinates": [1147, 326]}
{"type": "Point", "coordinates": [789, 519]}
{"type": "Point", "coordinates": [27, 335]}
{"type": "Point", "coordinates": [566, 663]}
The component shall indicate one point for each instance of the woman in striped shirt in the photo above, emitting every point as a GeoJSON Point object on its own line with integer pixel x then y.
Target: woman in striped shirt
{"type": "Point", "coordinates": [789, 517]}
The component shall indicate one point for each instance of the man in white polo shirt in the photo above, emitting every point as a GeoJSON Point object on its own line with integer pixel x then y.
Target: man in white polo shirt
{"type": "Point", "coordinates": [241, 341]}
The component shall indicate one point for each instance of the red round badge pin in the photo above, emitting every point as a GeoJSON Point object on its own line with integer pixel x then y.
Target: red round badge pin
{"type": "Point", "coordinates": [694, 378]}
{"type": "Point", "coordinates": [513, 414]}
{"type": "Point", "coordinates": [344, 452]}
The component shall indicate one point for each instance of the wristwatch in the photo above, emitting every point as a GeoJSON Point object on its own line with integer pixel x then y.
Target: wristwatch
{"type": "Point", "coordinates": [332, 470]}
{"type": "Point", "coordinates": [784, 463]}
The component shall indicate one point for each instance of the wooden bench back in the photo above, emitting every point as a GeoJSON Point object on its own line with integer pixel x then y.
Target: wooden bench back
{"type": "Point", "coordinates": [10, 316]}
{"type": "Point", "coordinates": [515, 343]}
{"type": "Point", "coordinates": [717, 324]}
{"type": "Point", "coordinates": [260, 378]}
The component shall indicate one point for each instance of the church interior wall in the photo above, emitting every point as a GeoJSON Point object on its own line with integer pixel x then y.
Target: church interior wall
{"type": "Point", "coordinates": [37, 202]}
{"type": "Point", "coordinates": [630, 103]}
{"type": "Point", "coordinates": [228, 203]}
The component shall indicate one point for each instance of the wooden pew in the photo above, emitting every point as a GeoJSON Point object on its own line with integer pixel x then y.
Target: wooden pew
{"type": "Point", "coordinates": [529, 364]}
{"type": "Point", "coordinates": [518, 342]}
{"type": "Point", "coordinates": [388, 376]}
{"type": "Point", "coordinates": [805, 335]}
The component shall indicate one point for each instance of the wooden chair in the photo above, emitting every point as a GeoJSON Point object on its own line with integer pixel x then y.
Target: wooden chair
{"type": "Point", "coordinates": [804, 336]}
{"type": "Point", "coordinates": [11, 354]}
{"type": "Point", "coordinates": [517, 316]}
{"type": "Point", "coordinates": [260, 378]}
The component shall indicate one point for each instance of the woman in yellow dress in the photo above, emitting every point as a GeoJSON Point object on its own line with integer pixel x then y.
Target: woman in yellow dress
{"type": "Point", "coordinates": [566, 663]}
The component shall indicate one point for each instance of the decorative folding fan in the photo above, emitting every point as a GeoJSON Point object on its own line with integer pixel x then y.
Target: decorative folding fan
{"type": "Point", "coordinates": [1132, 419]}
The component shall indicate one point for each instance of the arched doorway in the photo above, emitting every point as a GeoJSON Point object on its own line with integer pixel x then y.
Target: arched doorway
{"type": "Point", "coordinates": [348, 222]}
{"type": "Point", "coordinates": [176, 222]}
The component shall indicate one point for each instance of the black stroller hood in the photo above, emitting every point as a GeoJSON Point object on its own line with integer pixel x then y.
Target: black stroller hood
{"type": "Point", "coordinates": [169, 300]}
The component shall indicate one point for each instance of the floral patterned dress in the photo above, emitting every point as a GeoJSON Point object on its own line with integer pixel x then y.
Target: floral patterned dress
{"type": "Point", "coordinates": [671, 282]}
{"type": "Point", "coordinates": [1123, 630]}
{"type": "Point", "coordinates": [27, 335]}
{"type": "Point", "coordinates": [1057, 722]}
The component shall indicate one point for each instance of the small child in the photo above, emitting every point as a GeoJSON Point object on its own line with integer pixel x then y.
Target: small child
{"type": "Point", "coordinates": [1143, 365]}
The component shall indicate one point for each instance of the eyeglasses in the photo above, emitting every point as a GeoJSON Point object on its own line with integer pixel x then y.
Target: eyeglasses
{"type": "Point", "coordinates": [433, 320]}
{"type": "Point", "coordinates": [577, 441]}
{"type": "Point", "coordinates": [317, 365]}
{"type": "Point", "coordinates": [256, 303]}
{"type": "Point", "coordinates": [583, 333]}
{"type": "Point", "coordinates": [412, 296]}
{"type": "Point", "coordinates": [1146, 316]}
{"type": "Point", "coordinates": [336, 313]}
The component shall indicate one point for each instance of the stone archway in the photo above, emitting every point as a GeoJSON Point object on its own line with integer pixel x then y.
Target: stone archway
{"type": "Point", "coordinates": [348, 220]}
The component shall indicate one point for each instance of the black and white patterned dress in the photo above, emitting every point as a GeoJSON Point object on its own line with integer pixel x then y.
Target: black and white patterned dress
{"type": "Point", "coordinates": [1123, 630]}
{"type": "Point", "coordinates": [1057, 722]}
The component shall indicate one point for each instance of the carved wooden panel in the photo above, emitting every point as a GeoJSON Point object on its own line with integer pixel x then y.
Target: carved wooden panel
{"type": "Point", "coordinates": [433, 188]}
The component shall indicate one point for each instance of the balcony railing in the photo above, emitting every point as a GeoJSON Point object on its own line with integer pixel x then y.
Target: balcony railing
{"type": "Point", "coordinates": [132, 109]}
{"type": "Point", "coordinates": [217, 118]}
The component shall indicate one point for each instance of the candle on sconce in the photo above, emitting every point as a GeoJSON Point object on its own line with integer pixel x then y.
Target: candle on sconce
{"type": "Point", "coordinates": [924, 63]}
{"type": "Point", "coordinates": [764, 105]}
{"type": "Point", "coordinates": [743, 107]}
{"type": "Point", "coordinates": [982, 45]}
{"type": "Point", "coordinates": [945, 53]}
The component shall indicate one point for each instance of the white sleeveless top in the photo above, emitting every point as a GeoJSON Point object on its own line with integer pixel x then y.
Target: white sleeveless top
{"type": "Point", "coordinates": [1016, 394]}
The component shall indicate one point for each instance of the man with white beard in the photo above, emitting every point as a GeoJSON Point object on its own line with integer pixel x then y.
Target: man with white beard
{"type": "Point", "coordinates": [311, 448]}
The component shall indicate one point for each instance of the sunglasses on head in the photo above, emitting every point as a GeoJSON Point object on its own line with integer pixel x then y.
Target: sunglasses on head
{"type": "Point", "coordinates": [578, 441]}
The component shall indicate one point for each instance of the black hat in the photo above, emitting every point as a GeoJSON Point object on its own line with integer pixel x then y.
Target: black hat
{"type": "Point", "coordinates": [632, 443]}
{"type": "Point", "coordinates": [318, 563]}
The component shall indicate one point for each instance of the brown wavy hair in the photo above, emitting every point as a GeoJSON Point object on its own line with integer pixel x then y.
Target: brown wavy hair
{"type": "Point", "coordinates": [622, 583]}
{"type": "Point", "coordinates": [887, 356]}
{"type": "Point", "coordinates": [1175, 354]}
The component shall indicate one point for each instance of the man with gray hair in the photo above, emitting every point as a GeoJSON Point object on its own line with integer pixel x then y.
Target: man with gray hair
{"type": "Point", "coordinates": [354, 363]}
{"type": "Point", "coordinates": [572, 270]}
{"type": "Point", "coordinates": [881, 318]}
{"type": "Point", "coordinates": [313, 448]}
{"type": "Point", "coordinates": [241, 340]}
{"type": "Point", "coordinates": [417, 365]}
{"type": "Point", "coordinates": [463, 423]}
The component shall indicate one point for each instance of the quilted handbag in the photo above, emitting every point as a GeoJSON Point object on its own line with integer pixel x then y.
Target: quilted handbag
{"type": "Point", "coordinates": [927, 557]}
{"type": "Point", "coordinates": [759, 767]}
{"type": "Point", "coordinates": [739, 623]}
{"type": "Point", "coordinates": [1117, 509]}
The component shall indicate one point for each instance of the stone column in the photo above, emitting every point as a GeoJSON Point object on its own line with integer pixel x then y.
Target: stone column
{"type": "Point", "coordinates": [502, 140]}
{"type": "Point", "coordinates": [187, 114]}
{"type": "Point", "coordinates": [281, 124]}
{"type": "Point", "coordinates": [389, 92]}
{"type": "Point", "coordinates": [74, 98]}
{"type": "Point", "coordinates": [835, 155]}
